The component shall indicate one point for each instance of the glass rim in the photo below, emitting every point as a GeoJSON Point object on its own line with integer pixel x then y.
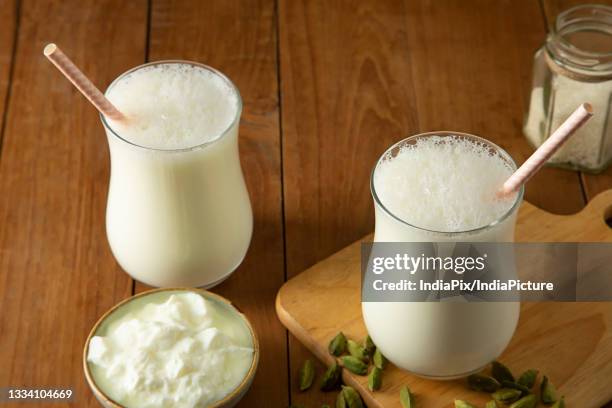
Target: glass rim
{"type": "Point", "coordinates": [564, 19]}
{"type": "Point", "coordinates": [499, 150]}
{"type": "Point", "coordinates": [214, 71]}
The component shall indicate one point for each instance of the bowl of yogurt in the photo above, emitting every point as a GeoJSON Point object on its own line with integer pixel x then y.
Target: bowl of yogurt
{"type": "Point", "coordinates": [171, 347]}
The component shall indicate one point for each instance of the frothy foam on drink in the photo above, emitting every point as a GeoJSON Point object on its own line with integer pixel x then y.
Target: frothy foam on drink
{"type": "Point", "coordinates": [443, 183]}
{"type": "Point", "coordinates": [173, 106]}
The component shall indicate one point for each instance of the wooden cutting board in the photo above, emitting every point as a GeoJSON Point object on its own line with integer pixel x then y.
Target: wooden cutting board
{"type": "Point", "coordinates": [569, 342]}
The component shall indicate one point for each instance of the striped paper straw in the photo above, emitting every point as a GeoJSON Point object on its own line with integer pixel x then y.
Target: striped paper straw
{"type": "Point", "coordinates": [547, 149]}
{"type": "Point", "coordinates": [81, 82]}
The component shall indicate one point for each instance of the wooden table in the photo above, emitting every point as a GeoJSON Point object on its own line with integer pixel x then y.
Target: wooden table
{"type": "Point", "coordinates": [327, 86]}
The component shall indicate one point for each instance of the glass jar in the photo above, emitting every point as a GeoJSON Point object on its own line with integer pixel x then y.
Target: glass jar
{"type": "Point", "coordinates": [572, 67]}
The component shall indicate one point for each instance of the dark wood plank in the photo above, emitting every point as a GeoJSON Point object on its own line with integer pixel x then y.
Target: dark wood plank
{"type": "Point", "coordinates": [239, 38]}
{"type": "Point", "coordinates": [593, 184]}
{"type": "Point", "coordinates": [347, 94]}
{"type": "Point", "coordinates": [358, 76]}
{"type": "Point", "coordinates": [57, 274]}
{"type": "Point", "coordinates": [8, 24]}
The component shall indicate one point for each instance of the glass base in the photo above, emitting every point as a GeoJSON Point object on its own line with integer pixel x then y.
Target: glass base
{"type": "Point", "coordinates": [447, 377]}
{"type": "Point", "coordinates": [205, 286]}
{"type": "Point", "coordinates": [218, 281]}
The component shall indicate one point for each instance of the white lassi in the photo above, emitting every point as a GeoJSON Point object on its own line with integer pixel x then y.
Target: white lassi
{"type": "Point", "coordinates": [441, 188]}
{"type": "Point", "coordinates": [178, 211]}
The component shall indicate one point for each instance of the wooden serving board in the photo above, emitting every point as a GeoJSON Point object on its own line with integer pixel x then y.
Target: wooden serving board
{"type": "Point", "coordinates": [569, 342]}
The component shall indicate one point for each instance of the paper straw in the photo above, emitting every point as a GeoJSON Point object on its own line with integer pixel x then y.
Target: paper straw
{"type": "Point", "coordinates": [81, 82]}
{"type": "Point", "coordinates": [547, 149]}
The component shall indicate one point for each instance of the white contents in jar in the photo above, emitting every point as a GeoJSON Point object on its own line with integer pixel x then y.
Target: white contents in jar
{"type": "Point", "coordinates": [171, 349]}
{"type": "Point", "coordinates": [591, 146]}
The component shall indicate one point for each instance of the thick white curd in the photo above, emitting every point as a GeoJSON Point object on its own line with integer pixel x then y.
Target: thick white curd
{"type": "Point", "coordinates": [171, 349]}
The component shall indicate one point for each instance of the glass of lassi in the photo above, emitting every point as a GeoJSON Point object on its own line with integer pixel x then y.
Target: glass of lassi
{"type": "Point", "coordinates": [440, 187]}
{"type": "Point", "coordinates": [178, 211]}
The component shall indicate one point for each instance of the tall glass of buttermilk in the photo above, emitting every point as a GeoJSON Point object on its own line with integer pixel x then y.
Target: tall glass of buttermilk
{"type": "Point", "coordinates": [440, 187]}
{"type": "Point", "coordinates": [178, 211]}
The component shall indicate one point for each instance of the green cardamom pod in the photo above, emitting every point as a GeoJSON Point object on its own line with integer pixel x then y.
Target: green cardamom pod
{"type": "Point", "coordinates": [352, 397]}
{"type": "Point", "coordinates": [369, 346]}
{"type": "Point", "coordinates": [406, 397]}
{"type": "Point", "coordinates": [559, 404]}
{"type": "Point", "coordinates": [530, 401]}
{"type": "Point", "coordinates": [501, 373]}
{"type": "Point", "coordinates": [354, 365]}
{"type": "Point", "coordinates": [506, 395]}
{"type": "Point", "coordinates": [548, 392]}
{"type": "Point", "coordinates": [528, 378]}
{"type": "Point", "coordinates": [481, 382]}
{"type": "Point", "coordinates": [515, 386]}
{"type": "Point", "coordinates": [307, 373]}
{"type": "Point", "coordinates": [337, 345]}
{"type": "Point", "coordinates": [380, 361]}
{"type": "Point", "coordinates": [340, 402]}
{"type": "Point", "coordinates": [356, 350]}
{"type": "Point", "coordinates": [491, 404]}
{"type": "Point", "coordinates": [375, 379]}
{"type": "Point", "coordinates": [331, 378]}
{"type": "Point", "coordinates": [463, 404]}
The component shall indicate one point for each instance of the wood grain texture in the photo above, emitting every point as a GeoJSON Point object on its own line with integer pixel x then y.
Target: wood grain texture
{"type": "Point", "coordinates": [356, 77]}
{"type": "Point", "coordinates": [570, 342]}
{"type": "Point", "coordinates": [57, 275]}
{"type": "Point", "coordinates": [239, 38]}
{"type": "Point", "coordinates": [8, 24]}
{"type": "Point", "coordinates": [346, 95]}
{"type": "Point", "coordinates": [593, 184]}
